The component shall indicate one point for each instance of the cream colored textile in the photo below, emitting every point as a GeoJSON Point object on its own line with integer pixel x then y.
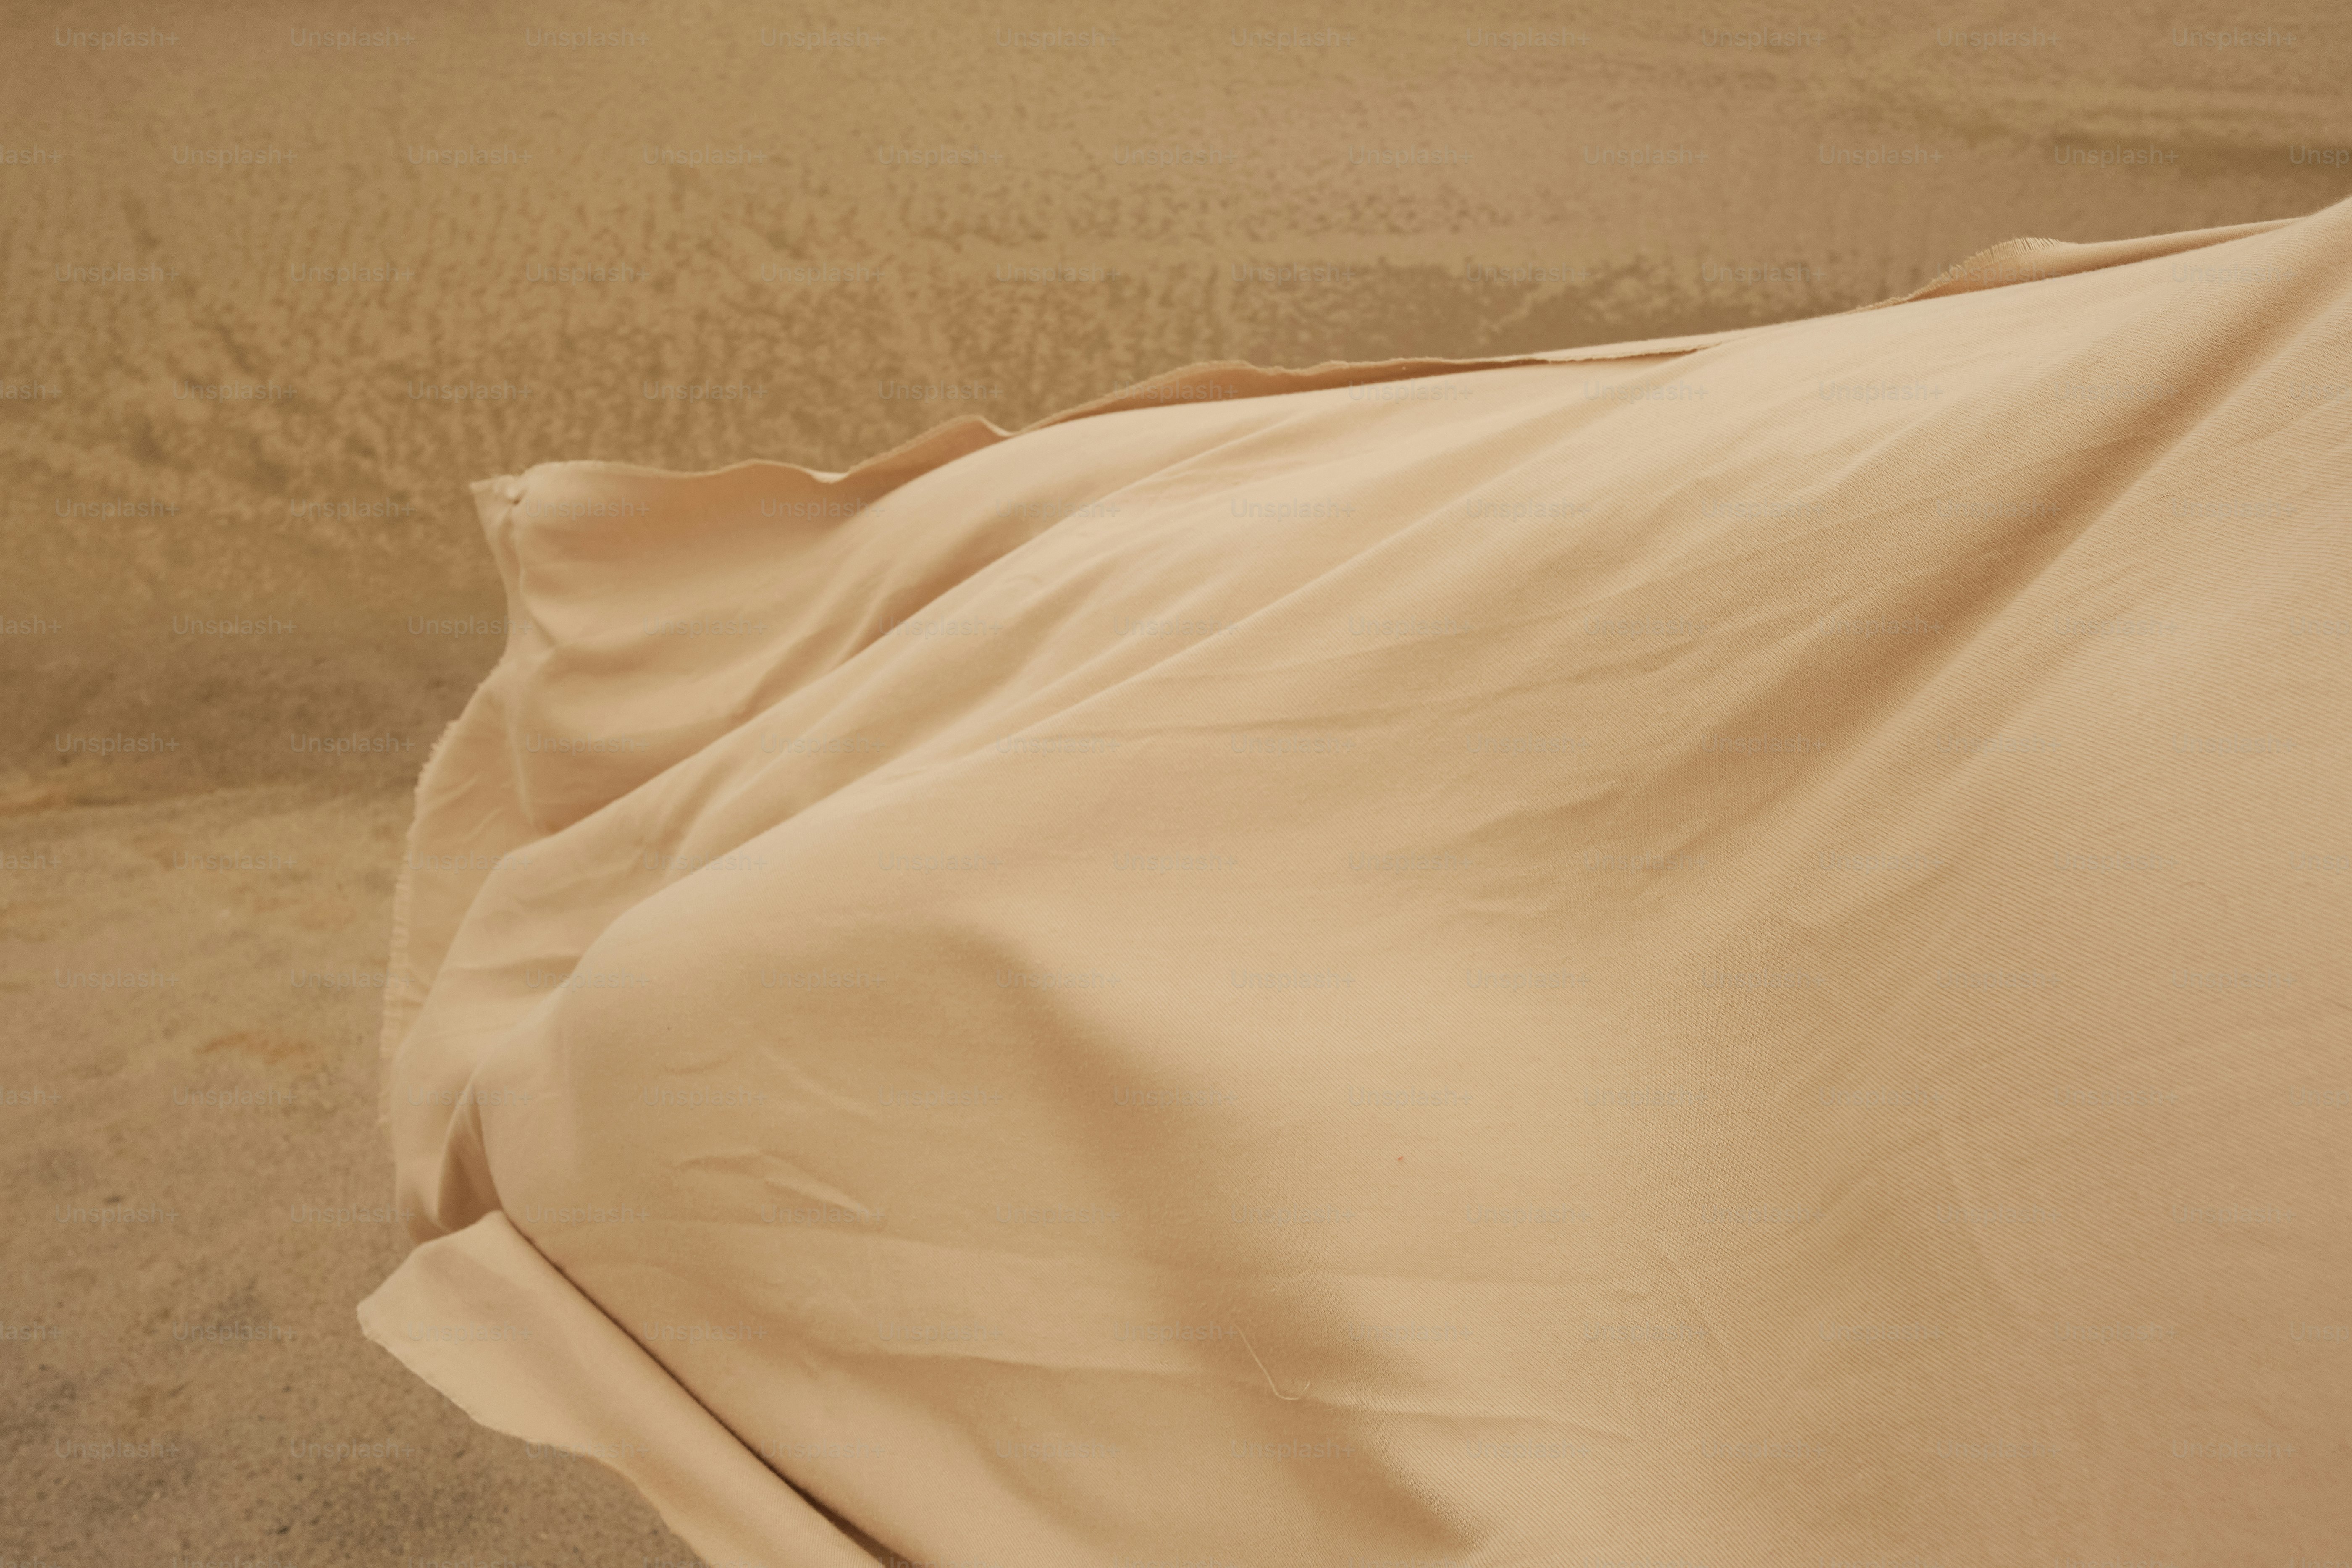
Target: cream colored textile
{"type": "Point", "coordinates": [1725, 952]}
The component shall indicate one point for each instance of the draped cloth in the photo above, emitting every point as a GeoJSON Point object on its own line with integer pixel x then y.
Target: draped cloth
{"type": "Point", "coordinates": [1723, 951]}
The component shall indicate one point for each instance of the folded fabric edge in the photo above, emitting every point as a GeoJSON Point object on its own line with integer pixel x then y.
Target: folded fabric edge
{"type": "Point", "coordinates": [2008, 264]}
{"type": "Point", "coordinates": [943, 443]}
{"type": "Point", "coordinates": [405, 990]}
{"type": "Point", "coordinates": [401, 996]}
{"type": "Point", "coordinates": [2015, 261]}
{"type": "Point", "coordinates": [486, 1320]}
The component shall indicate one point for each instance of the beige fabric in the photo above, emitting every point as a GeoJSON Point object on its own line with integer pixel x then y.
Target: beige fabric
{"type": "Point", "coordinates": [1732, 954]}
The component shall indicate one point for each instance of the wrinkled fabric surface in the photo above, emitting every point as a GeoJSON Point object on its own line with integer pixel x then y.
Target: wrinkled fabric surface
{"type": "Point", "coordinates": [1721, 952]}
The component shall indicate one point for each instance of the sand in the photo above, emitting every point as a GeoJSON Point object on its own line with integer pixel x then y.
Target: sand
{"type": "Point", "coordinates": [317, 490]}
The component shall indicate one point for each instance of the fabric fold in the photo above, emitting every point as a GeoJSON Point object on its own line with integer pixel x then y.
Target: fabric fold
{"type": "Point", "coordinates": [483, 1318]}
{"type": "Point", "coordinates": [1725, 948]}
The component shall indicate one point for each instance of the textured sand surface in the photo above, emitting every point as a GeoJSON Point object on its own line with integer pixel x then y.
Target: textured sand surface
{"type": "Point", "coordinates": [334, 504]}
{"type": "Point", "coordinates": [233, 1113]}
{"type": "Point", "coordinates": [809, 360]}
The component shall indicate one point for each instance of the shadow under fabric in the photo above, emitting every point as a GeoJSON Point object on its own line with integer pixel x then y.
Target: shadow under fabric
{"type": "Point", "coordinates": [1719, 950]}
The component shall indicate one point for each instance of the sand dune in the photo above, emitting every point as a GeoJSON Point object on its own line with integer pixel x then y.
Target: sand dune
{"type": "Point", "coordinates": [699, 291]}
{"type": "Point", "coordinates": [247, 275]}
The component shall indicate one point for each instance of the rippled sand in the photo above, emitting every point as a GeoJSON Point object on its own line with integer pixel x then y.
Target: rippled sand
{"type": "Point", "coordinates": [276, 268]}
